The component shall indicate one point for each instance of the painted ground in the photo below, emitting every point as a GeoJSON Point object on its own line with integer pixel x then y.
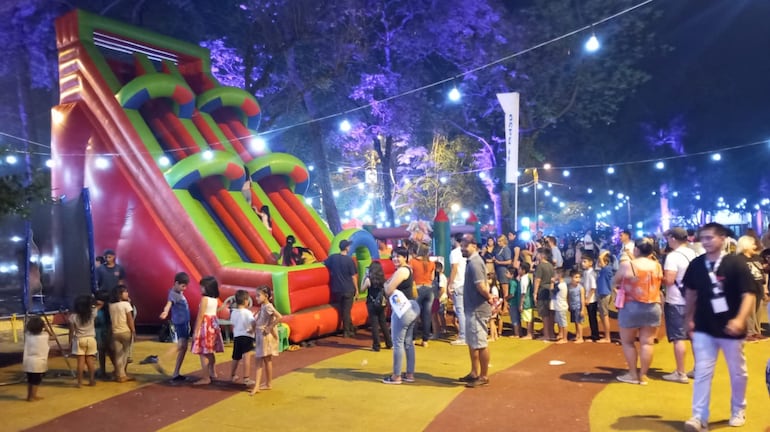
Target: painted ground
{"type": "Point", "coordinates": [334, 385]}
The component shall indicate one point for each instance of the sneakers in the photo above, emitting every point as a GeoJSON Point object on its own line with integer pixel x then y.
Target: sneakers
{"type": "Point", "coordinates": [458, 342]}
{"type": "Point", "coordinates": [405, 378]}
{"type": "Point", "coordinates": [150, 359]}
{"type": "Point", "coordinates": [738, 419]}
{"type": "Point", "coordinates": [467, 378]}
{"type": "Point", "coordinates": [691, 373]}
{"type": "Point", "coordinates": [389, 380]}
{"type": "Point", "coordinates": [676, 376]}
{"type": "Point", "coordinates": [627, 378]}
{"type": "Point", "coordinates": [478, 382]}
{"type": "Point", "coordinates": [695, 425]}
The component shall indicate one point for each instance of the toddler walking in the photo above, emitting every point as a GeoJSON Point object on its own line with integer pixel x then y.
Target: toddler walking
{"type": "Point", "coordinates": [265, 339]}
{"type": "Point", "coordinates": [35, 362]}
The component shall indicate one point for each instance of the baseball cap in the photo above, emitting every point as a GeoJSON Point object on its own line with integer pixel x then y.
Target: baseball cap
{"type": "Point", "coordinates": [677, 233]}
{"type": "Point", "coordinates": [109, 252]}
{"type": "Point", "coordinates": [344, 244]}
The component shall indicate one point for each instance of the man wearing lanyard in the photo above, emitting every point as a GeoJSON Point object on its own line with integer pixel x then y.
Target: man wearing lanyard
{"type": "Point", "coordinates": [719, 298]}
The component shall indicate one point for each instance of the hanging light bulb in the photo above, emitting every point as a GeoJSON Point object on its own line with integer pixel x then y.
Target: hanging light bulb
{"type": "Point", "coordinates": [345, 126]}
{"type": "Point", "coordinates": [592, 44]}
{"type": "Point", "coordinates": [455, 95]}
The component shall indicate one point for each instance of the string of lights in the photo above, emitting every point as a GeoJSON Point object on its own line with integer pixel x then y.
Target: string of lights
{"type": "Point", "coordinates": [417, 89]}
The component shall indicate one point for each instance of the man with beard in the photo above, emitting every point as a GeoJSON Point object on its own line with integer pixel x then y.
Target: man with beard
{"type": "Point", "coordinates": [478, 309]}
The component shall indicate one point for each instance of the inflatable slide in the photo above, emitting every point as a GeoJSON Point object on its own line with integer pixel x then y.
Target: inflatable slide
{"type": "Point", "coordinates": [165, 151]}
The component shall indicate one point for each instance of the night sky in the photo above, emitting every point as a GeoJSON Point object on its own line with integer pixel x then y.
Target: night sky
{"type": "Point", "coordinates": [717, 76]}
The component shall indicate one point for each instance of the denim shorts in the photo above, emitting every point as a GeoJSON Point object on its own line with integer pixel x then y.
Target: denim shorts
{"type": "Point", "coordinates": [576, 316]}
{"type": "Point", "coordinates": [476, 329]}
{"type": "Point", "coordinates": [675, 322]}
{"type": "Point", "coordinates": [515, 315]}
{"type": "Point", "coordinates": [637, 315]}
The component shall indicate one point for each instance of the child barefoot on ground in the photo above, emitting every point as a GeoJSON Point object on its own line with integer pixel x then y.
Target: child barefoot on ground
{"type": "Point", "coordinates": [35, 361]}
{"type": "Point", "coordinates": [180, 318]}
{"type": "Point", "coordinates": [83, 336]}
{"type": "Point", "coordinates": [243, 332]}
{"type": "Point", "coordinates": [123, 331]}
{"type": "Point", "coordinates": [266, 339]}
{"type": "Point", "coordinates": [527, 298]}
{"type": "Point", "coordinates": [207, 338]}
{"type": "Point", "coordinates": [576, 296]}
{"type": "Point", "coordinates": [560, 307]}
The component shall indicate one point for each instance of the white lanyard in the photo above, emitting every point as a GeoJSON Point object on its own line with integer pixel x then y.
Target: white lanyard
{"type": "Point", "coordinates": [715, 285]}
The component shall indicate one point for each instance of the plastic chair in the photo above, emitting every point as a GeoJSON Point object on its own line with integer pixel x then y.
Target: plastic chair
{"type": "Point", "coordinates": [283, 337]}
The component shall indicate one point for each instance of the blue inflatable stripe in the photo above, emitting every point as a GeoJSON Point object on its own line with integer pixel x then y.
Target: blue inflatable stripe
{"type": "Point", "coordinates": [212, 105]}
{"type": "Point", "coordinates": [262, 173]}
{"type": "Point", "coordinates": [137, 100]}
{"type": "Point", "coordinates": [188, 180]}
{"type": "Point", "coordinates": [186, 110]}
{"type": "Point", "coordinates": [301, 188]}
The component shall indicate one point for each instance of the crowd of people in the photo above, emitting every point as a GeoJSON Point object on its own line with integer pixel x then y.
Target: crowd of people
{"type": "Point", "coordinates": [706, 286]}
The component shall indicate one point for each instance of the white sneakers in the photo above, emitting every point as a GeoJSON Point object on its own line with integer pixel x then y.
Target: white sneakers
{"type": "Point", "coordinates": [695, 425]}
{"type": "Point", "coordinates": [458, 342]}
{"type": "Point", "coordinates": [738, 419]}
{"type": "Point", "coordinates": [676, 376]}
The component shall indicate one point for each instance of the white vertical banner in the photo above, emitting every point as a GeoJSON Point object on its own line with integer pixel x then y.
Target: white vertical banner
{"type": "Point", "coordinates": [510, 104]}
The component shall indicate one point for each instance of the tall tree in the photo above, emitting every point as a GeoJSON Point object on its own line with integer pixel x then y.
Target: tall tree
{"type": "Point", "coordinates": [561, 86]}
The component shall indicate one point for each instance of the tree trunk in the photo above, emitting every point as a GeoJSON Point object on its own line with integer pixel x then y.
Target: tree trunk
{"type": "Point", "coordinates": [321, 163]}
{"type": "Point", "coordinates": [385, 175]}
{"type": "Point", "coordinates": [23, 86]}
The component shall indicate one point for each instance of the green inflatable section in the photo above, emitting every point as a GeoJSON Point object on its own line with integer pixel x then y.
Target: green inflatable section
{"type": "Point", "coordinates": [279, 163]}
{"type": "Point", "coordinates": [218, 163]}
{"type": "Point", "coordinates": [230, 97]}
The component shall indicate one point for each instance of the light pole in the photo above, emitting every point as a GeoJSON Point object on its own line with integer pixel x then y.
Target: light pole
{"type": "Point", "coordinates": [628, 206]}
{"type": "Point", "coordinates": [535, 177]}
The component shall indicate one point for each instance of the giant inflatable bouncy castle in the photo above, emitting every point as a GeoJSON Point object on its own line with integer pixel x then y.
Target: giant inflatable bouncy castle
{"type": "Point", "coordinates": [164, 152]}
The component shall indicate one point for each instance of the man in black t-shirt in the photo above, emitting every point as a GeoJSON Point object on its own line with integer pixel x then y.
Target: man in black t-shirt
{"type": "Point", "coordinates": [343, 280]}
{"type": "Point", "coordinates": [720, 295]}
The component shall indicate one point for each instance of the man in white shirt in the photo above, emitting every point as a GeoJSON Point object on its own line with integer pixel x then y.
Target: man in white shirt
{"type": "Point", "coordinates": [627, 246]}
{"type": "Point", "coordinates": [674, 268]}
{"type": "Point", "coordinates": [456, 282]}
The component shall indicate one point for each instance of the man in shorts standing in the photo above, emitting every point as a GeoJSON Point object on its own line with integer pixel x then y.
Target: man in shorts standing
{"type": "Point", "coordinates": [478, 302]}
{"type": "Point", "coordinates": [674, 308]}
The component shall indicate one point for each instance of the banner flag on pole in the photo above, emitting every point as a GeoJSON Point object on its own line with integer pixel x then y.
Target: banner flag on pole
{"type": "Point", "coordinates": [510, 104]}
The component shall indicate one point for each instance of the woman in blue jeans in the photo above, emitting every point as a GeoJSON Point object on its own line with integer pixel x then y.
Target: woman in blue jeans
{"type": "Point", "coordinates": [404, 313]}
{"type": "Point", "coordinates": [423, 272]}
